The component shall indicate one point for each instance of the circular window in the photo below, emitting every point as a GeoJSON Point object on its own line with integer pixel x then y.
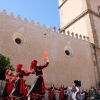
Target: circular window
{"type": "Point", "coordinates": [68, 51]}
{"type": "Point", "coordinates": [18, 40]}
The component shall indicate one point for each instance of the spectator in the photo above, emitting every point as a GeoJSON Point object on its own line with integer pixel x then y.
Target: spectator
{"type": "Point", "coordinates": [92, 94]}
{"type": "Point", "coordinates": [98, 94]}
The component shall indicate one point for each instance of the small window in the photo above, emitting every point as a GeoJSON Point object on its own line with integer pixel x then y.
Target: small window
{"type": "Point", "coordinates": [18, 40]}
{"type": "Point", "coordinates": [99, 10]}
{"type": "Point", "coordinates": [67, 52]}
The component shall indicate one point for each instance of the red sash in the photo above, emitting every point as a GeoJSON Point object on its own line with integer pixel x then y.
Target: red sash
{"type": "Point", "coordinates": [9, 87]}
{"type": "Point", "coordinates": [21, 85]}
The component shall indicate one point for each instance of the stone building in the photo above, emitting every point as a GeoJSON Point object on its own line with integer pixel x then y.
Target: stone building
{"type": "Point", "coordinates": [73, 50]}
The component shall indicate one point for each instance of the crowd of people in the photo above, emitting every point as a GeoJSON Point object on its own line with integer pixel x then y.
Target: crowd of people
{"type": "Point", "coordinates": [17, 89]}
{"type": "Point", "coordinates": [90, 94]}
{"type": "Point", "coordinates": [73, 93]}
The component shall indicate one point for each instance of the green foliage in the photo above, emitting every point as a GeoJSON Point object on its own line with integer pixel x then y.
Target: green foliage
{"type": "Point", "coordinates": [5, 63]}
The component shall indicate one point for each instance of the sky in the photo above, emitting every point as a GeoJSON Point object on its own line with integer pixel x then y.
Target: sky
{"type": "Point", "coordinates": [43, 11]}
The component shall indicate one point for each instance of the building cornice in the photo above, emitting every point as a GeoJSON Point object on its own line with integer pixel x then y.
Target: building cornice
{"type": "Point", "coordinates": [79, 17]}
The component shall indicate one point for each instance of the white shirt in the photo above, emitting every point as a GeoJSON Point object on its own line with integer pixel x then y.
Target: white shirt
{"type": "Point", "coordinates": [74, 93]}
{"type": "Point", "coordinates": [76, 88]}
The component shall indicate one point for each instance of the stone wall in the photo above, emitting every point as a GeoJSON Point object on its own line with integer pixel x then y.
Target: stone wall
{"type": "Point", "coordinates": [63, 69]}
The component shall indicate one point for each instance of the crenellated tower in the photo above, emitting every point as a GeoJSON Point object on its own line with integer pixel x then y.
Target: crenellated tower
{"type": "Point", "coordinates": [82, 17]}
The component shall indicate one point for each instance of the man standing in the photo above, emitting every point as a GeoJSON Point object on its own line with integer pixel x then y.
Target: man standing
{"type": "Point", "coordinates": [74, 89]}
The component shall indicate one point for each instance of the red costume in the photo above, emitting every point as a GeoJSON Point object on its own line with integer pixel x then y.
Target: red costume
{"type": "Point", "coordinates": [9, 85]}
{"type": "Point", "coordinates": [18, 90]}
{"type": "Point", "coordinates": [38, 88]}
{"type": "Point", "coordinates": [61, 94]}
{"type": "Point", "coordinates": [51, 92]}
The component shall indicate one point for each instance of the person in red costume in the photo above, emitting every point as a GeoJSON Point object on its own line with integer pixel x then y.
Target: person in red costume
{"type": "Point", "coordinates": [18, 90]}
{"type": "Point", "coordinates": [38, 89]}
{"type": "Point", "coordinates": [9, 85]}
{"type": "Point", "coordinates": [61, 94]}
{"type": "Point", "coordinates": [51, 92]}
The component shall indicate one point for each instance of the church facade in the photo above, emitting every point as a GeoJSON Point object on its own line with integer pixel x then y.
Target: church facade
{"type": "Point", "coordinates": [73, 50]}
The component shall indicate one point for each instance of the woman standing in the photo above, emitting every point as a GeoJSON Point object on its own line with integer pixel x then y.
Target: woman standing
{"type": "Point", "coordinates": [51, 92]}
{"type": "Point", "coordinates": [37, 90]}
{"type": "Point", "coordinates": [18, 90]}
{"type": "Point", "coordinates": [61, 94]}
{"type": "Point", "coordinates": [9, 85]}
